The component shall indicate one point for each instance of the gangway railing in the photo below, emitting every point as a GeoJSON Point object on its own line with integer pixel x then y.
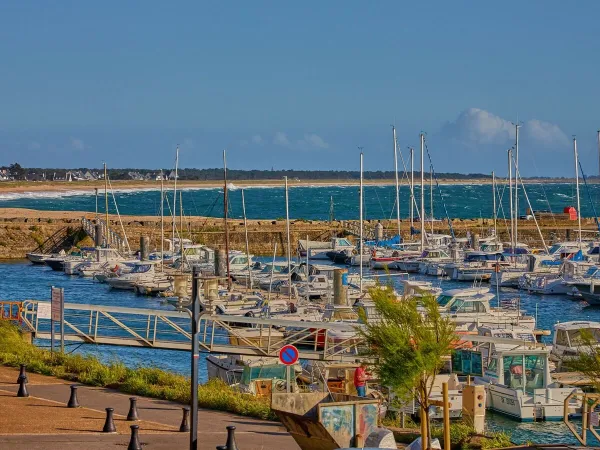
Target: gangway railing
{"type": "Point", "coordinates": [169, 329]}
{"type": "Point", "coordinates": [111, 237]}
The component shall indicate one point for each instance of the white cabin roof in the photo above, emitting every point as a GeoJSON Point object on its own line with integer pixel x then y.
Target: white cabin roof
{"type": "Point", "coordinates": [576, 325]}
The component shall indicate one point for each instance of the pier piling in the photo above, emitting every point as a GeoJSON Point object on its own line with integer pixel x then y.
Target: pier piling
{"type": "Point", "coordinates": [144, 248]}
{"type": "Point", "coordinates": [339, 288]}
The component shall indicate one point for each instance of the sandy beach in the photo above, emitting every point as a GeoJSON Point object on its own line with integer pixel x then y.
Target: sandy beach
{"type": "Point", "coordinates": [48, 186]}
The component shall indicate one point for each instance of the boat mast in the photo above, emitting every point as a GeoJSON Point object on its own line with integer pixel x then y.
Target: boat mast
{"type": "Point", "coordinates": [577, 189]}
{"type": "Point", "coordinates": [397, 185]}
{"type": "Point", "coordinates": [517, 126]}
{"type": "Point", "coordinates": [225, 217]}
{"type": "Point", "coordinates": [412, 189]}
{"type": "Point", "coordinates": [181, 230]}
{"type": "Point", "coordinates": [510, 195]}
{"type": "Point", "coordinates": [175, 196]}
{"type": "Point", "coordinates": [96, 189]}
{"type": "Point", "coordinates": [247, 244]}
{"type": "Point", "coordinates": [162, 221]}
{"type": "Point", "coordinates": [360, 211]}
{"type": "Point", "coordinates": [287, 228]}
{"type": "Point", "coordinates": [598, 139]}
{"type": "Point", "coordinates": [494, 205]}
{"type": "Point", "coordinates": [107, 236]}
{"type": "Point", "coordinates": [431, 195]}
{"type": "Point", "coordinates": [422, 192]}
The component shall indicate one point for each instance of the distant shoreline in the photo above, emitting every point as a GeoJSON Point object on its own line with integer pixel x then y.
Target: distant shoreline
{"type": "Point", "coordinates": [63, 186]}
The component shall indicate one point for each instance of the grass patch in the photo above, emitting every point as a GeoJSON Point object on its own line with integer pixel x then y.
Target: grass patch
{"type": "Point", "coordinates": [143, 381]}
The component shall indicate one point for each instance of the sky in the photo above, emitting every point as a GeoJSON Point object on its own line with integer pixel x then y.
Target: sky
{"type": "Point", "coordinates": [299, 85]}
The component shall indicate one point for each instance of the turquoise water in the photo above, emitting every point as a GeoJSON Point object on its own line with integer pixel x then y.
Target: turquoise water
{"type": "Point", "coordinates": [21, 281]}
{"type": "Point", "coordinates": [462, 201]}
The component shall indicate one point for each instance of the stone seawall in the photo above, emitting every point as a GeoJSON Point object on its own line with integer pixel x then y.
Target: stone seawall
{"type": "Point", "coordinates": [22, 230]}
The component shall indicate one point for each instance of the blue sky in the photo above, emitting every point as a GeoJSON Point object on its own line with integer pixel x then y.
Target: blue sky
{"type": "Point", "coordinates": [298, 85]}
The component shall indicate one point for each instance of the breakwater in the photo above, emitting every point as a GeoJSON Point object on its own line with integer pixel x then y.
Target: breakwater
{"type": "Point", "coordinates": [22, 230]}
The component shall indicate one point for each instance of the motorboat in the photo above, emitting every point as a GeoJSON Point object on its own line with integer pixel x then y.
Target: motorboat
{"type": "Point", "coordinates": [37, 258]}
{"type": "Point", "coordinates": [319, 249]}
{"type": "Point", "coordinates": [261, 307]}
{"type": "Point", "coordinates": [433, 260]}
{"type": "Point", "coordinates": [141, 271]}
{"type": "Point", "coordinates": [557, 282]}
{"type": "Point", "coordinates": [470, 308]}
{"type": "Point", "coordinates": [477, 266]}
{"type": "Point", "coordinates": [518, 383]}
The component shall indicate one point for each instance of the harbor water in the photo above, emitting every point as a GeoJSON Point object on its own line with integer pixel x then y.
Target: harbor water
{"type": "Point", "coordinates": [22, 281]}
{"type": "Point", "coordinates": [462, 201]}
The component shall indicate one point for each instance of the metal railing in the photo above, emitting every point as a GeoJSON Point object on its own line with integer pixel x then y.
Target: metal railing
{"type": "Point", "coordinates": [111, 237]}
{"type": "Point", "coordinates": [167, 329]}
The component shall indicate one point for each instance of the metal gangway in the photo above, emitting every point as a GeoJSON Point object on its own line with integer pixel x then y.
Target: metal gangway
{"type": "Point", "coordinates": [112, 238]}
{"type": "Point", "coordinates": [171, 329]}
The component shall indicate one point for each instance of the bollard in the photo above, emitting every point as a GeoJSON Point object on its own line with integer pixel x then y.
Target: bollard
{"type": "Point", "coordinates": [231, 444]}
{"type": "Point", "coordinates": [221, 447]}
{"type": "Point", "coordinates": [109, 424]}
{"type": "Point", "coordinates": [134, 441]}
{"type": "Point", "coordinates": [73, 401]}
{"type": "Point", "coordinates": [22, 389]}
{"type": "Point", "coordinates": [185, 425]}
{"type": "Point", "coordinates": [133, 413]}
{"type": "Point", "coordinates": [22, 374]}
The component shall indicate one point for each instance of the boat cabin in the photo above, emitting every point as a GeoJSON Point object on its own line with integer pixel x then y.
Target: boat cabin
{"type": "Point", "coordinates": [460, 301]}
{"type": "Point", "coordinates": [434, 253]}
{"type": "Point", "coordinates": [521, 368]}
{"type": "Point", "coordinates": [570, 337]}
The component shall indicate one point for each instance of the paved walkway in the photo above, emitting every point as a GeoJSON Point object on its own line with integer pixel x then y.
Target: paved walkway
{"type": "Point", "coordinates": [43, 421]}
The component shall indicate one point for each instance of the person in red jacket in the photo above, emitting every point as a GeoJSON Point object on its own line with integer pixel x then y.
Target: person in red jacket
{"type": "Point", "coordinates": [360, 379]}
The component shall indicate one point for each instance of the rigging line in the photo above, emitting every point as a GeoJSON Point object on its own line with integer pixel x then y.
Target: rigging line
{"type": "Point", "coordinates": [440, 192]}
{"type": "Point", "coordinates": [501, 207]}
{"type": "Point", "coordinates": [411, 191]}
{"type": "Point", "coordinates": [589, 196]}
{"type": "Point", "coordinates": [118, 215]}
{"type": "Point", "coordinates": [543, 190]}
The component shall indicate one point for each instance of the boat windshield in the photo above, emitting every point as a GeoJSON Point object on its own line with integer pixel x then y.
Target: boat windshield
{"type": "Point", "coordinates": [529, 375]}
{"type": "Point", "coordinates": [443, 300]}
{"type": "Point", "coordinates": [584, 336]}
{"type": "Point", "coordinates": [141, 268]}
{"type": "Point", "coordinates": [592, 272]}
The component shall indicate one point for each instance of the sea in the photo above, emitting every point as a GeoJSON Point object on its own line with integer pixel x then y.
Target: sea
{"type": "Point", "coordinates": [22, 281]}
{"type": "Point", "coordinates": [457, 201]}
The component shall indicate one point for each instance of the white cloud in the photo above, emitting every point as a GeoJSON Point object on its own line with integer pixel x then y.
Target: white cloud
{"type": "Point", "coordinates": [314, 140]}
{"type": "Point", "coordinates": [77, 143]}
{"type": "Point", "coordinates": [257, 139]}
{"type": "Point", "coordinates": [281, 138]}
{"type": "Point", "coordinates": [475, 127]}
{"type": "Point", "coordinates": [544, 133]}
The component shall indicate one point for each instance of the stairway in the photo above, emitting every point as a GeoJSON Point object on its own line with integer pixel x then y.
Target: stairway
{"type": "Point", "coordinates": [111, 238]}
{"type": "Point", "coordinates": [63, 239]}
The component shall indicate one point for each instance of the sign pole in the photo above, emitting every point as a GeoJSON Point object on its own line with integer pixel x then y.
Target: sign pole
{"type": "Point", "coordinates": [52, 320]}
{"type": "Point", "coordinates": [62, 320]}
{"type": "Point", "coordinates": [195, 356]}
{"type": "Point", "coordinates": [288, 379]}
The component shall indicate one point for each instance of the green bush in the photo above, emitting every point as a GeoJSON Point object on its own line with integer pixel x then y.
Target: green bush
{"type": "Point", "coordinates": [144, 381]}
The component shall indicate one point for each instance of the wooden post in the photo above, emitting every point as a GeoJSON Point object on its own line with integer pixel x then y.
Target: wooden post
{"type": "Point", "coordinates": [446, 416]}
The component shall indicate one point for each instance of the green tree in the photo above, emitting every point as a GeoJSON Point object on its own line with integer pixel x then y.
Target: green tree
{"type": "Point", "coordinates": [587, 360]}
{"type": "Point", "coordinates": [408, 343]}
{"type": "Point", "coordinates": [17, 172]}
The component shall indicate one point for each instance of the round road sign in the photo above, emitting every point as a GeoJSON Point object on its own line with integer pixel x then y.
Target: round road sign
{"type": "Point", "coordinates": [288, 355]}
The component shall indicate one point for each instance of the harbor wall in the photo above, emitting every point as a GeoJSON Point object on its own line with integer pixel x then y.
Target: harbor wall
{"type": "Point", "coordinates": [22, 230]}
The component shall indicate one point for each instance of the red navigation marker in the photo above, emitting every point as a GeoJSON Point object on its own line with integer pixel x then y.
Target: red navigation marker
{"type": "Point", "coordinates": [288, 355]}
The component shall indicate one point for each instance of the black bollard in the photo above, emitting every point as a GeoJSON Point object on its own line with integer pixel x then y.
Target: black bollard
{"type": "Point", "coordinates": [22, 389]}
{"type": "Point", "coordinates": [134, 442]}
{"type": "Point", "coordinates": [231, 444]}
{"type": "Point", "coordinates": [22, 374]}
{"type": "Point", "coordinates": [73, 402]}
{"type": "Point", "coordinates": [133, 414]}
{"type": "Point", "coordinates": [185, 425]}
{"type": "Point", "coordinates": [109, 424]}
